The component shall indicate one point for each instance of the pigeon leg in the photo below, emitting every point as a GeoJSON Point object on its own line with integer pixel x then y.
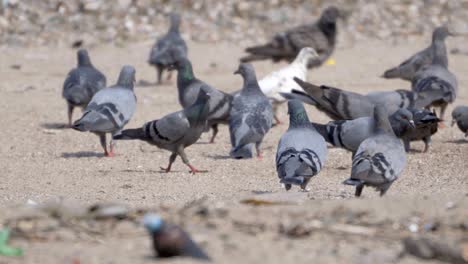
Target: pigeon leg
{"type": "Point", "coordinates": [442, 111]}
{"type": "Point", "coordinates": [172, 158]}
{"type": "Point", "coordinates": [111, 147]}
{"type": "Point", "coordinates": [287, 186]}
{"type": "Point", "coordinates": [182, 155]}
{"type": "Point", "coordinates": [160, 70]}
{"type": "Point", "coordinates": [384, 188]}
{"type": "Point", "coordinates": [215, 132]}
{"type": "Point", "coordinates": [103, 141]}
{"type": "Point", "coordinates": [169, 76]}
{"type": "Point", "coordinates": [359, 190]}
{"type": "Point", "coordinates": [304, 185]}
{"type": "Point", "coordinates": [70, 114]}
{"type": "Point", "coordinates": [259, 153]}
{"type": "Point", "coordinates": [406, 142]}
{"type": "Point", "coordinates": [426, 140]}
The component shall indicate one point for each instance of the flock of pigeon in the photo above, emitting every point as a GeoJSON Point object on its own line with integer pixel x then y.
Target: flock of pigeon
{"type": "Point", "coordinates": [377, 127]}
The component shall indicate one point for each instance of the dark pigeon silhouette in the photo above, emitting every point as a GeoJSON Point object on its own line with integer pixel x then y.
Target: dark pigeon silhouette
{"type": "Point", "coordinates": [165, 49]}
{"type": "Point", "coordinates": [170, 240]}
{"type": "Point", "coordinates": [82, 83]}
{"type": "Point", "coordinates": [426, 125]}
{"type": "Point", "coordinates": [321, 36]}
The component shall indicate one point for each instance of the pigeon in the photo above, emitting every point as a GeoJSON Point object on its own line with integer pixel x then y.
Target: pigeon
{"type": "Point", "coordinates": [170, 240]}
{"type": "Point", "coordinates": [174, 132]}
{"type": "Point", "coordinates": [163, 52]}
{"type": "Point", "coordinates": [460, 116]}
{"type": "Point", "coordinates": [349, 134]}
{"type": "Point", "coordinates": [335, 103]}
{"type": "Point", "coordinates": [302, 151]}
{"type": "Point", "coordinates": [189, 86]}
{"type": "Point", "coordinates": [110, 109]}
{"type": "Point", "coordinates": [380, 159]}
{"type": "Point", "coordinates": [251, 116]}
{"type": "Point", "coordinates": [426, 125]}
{"type": "Point", "coordinates": [82, 83]}
{"type": "Point", "coordinates": [407, 69]}
{"type": "Point", "coordinates": [320, 35]}
{"type": "Point", "coordinates": [396, 99]}
{"type": "Point", "coordinates": [282, 80]}
{"type": "Point", "coordinates": [437, 82]}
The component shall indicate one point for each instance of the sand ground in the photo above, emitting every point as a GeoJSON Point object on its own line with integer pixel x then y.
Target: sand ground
{"type": "Point", "coordinates": [39, 160]}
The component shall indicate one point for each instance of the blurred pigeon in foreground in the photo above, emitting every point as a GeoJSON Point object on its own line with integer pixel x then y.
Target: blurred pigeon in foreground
{"type": "Point", "coordinates": [460, 116]}
{"type": "Point", "coordinates": [380, 159]}
{"type": "Point", "coordinates": [251, 116]}
{"type": "Point", "coordinates": [407, 69]}
{"type": "Point", "coordinates": [426, 124]}
{"type": "Point", "coordinates": [301, 150]}
{"type": "Point", "coordinates": [437, 82]}
{"type": "Point", "coordinates": [167, 47]}
{"type": "Point", "coordinates": [189, 86]}
{"type": "Point", "coordinates": [170, 240]}
{"type": "Point", "coordinates": [349, 134]}
{"type": "Point", "coordinates": [82, 83]}
{"type": "Point", "coordinates": [321, 36]}
{"type": "Point", "coordinates": [282, 80]}
{"type": "Point", "coordinates": [174, 132]}
{"type": "Point", "coordinates": [110, 109]}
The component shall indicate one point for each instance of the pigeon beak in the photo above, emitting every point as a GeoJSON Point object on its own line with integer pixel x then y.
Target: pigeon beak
{"type": "Point", "coordinates": [412, 125]}
{"type": "Point", "coordinates": [453, 122]}
{"type": "Point", "coordinates": [237, 71]}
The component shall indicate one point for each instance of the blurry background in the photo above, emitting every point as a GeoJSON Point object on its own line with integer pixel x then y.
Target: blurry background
{"type": "Point", "coordinates": [37, 22]}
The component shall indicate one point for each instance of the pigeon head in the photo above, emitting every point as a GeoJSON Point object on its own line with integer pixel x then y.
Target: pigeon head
{"type": "Point", "coordinates": [83, 58]}
{"type": "Point", "coordinates": [330, 15]}
{"type": "Point", "coordinates": [458, 113]}
{"type": "Point", "coordinates": [153, 222]}
{"type": "Point", "coordinates": [183, 67]}
{"type": "Point", "coordinates": [127, 77]}
{"type": "Point", "coordinates": [440, 33]}
{"type": "Point", "coordinates": [175, 21]}
{"type": "Point", "coordinates": [305, 55]}
{"type": "Point", "coordinates": [297, 113]}
{"type": "Point", "coordinates": [404, 116]}
{"type": "Point", "coordinates": [247, 71]}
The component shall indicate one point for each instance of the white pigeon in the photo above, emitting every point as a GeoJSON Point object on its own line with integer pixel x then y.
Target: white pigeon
{"type": "Point", "coordinates": [282, 80]}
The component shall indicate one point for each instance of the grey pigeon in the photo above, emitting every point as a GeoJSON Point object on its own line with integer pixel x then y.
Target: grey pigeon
{"type": "Point", "coordinates": [426, 125]}
{"type": "Point", "coordinates": [174, 132]}
{"type": "Point", "coordinates": [460, 116]}
{"type": "Point", "coordinates": [251, 115]}
{"type": "Point", "coordinates": [394, 100]}
{"type": "Point", "coordinates": [349, 134]}
{"type": "Point", "coordinates": [170, 240]}
{"type": "Point", "coordinates": [407, 69]}
{"type": "Point", "coordinates": [380, 159]}
{"type": "Point", "coordinates": [321, 36]}
{"type": "Point", "coordinates": [302, 151]}
{"type": "Point", "coordinates": [110, 109]}
{"type": "Point", "coordinates": [188, 87]}
{"type": "Point", "coordinates": [163, 52]}
{"type": "Point", "coordinates": [82, 83]}
{"type": "Point", "coordinates": [336, 103]}
{"type": "Point", "coordinates": [437, 82]}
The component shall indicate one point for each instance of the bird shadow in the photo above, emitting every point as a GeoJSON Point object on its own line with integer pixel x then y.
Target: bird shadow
{"type": "Point", "coordinates": [145, 83]}
{"type": "Point", "coordinates": [457, 141]}
{"type": "Point", "coordinates": [218, 157]}
{"type": "Point", "coordinates": [55, 125]}
{"type": "Point", "coordinates": [82, 154]}
{"type": "Point", "coordinates": [261, 192]}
